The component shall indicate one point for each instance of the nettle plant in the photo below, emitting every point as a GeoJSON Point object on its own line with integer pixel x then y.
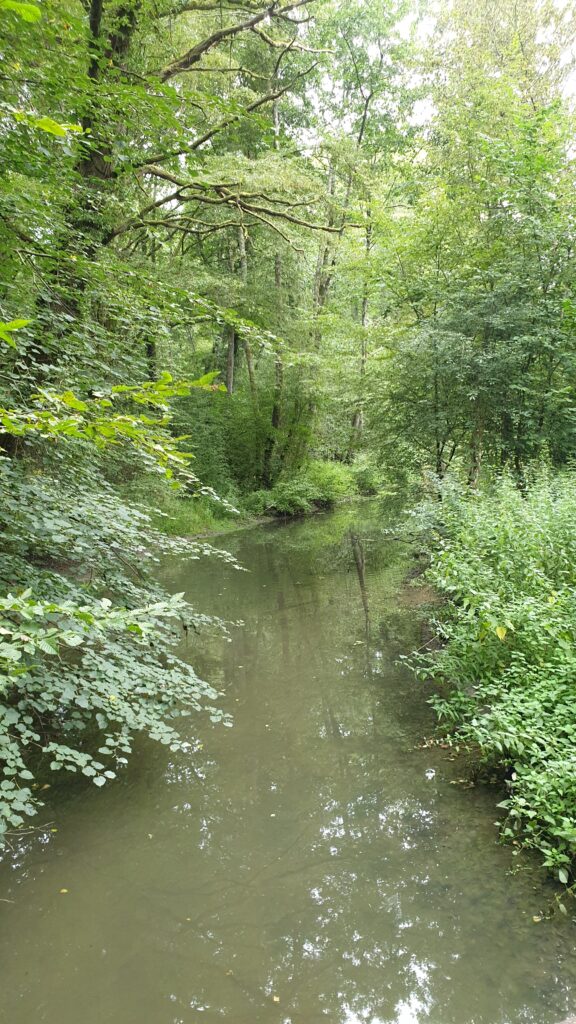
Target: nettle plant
{"type": "Point", "coordinates": [506, 565]}
{"type": "Point", "coordinates": [87, 637]}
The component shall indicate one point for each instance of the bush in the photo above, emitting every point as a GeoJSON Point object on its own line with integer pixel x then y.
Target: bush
{"type": "Point", "coordinates": [367, 478]}
{"type": "Point", "coordinates": [257, 503]}
{"type": "Point", "coordinates": [508, 569]}
{"type": "Point", "coordinates": [329, 481]}
{"type": "Point", "coordinates": [293, 498]}
{"type": "Point", "coordinates": [87, 636]}
{"type": "Point", "coordinates": [318, 485]}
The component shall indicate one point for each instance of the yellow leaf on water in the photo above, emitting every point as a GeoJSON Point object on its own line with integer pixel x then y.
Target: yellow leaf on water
{"type": "Point", "coordinates": [536, 919]}
{"type": "Point", "coordinates": [63, 890]}
{"type": "Point", "coordinates": [275, 999]}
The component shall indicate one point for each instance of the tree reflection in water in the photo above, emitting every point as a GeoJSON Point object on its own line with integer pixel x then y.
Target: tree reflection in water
{"type": "Point", "coordinates": [312, 865]}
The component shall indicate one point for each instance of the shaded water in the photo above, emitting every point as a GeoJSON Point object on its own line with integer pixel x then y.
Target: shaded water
{"type": "Point", "coordinates": [312, 864]}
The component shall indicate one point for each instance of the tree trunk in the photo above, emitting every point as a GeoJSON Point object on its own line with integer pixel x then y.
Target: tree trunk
{"type": "Point", "coordinates": [251, 374]}
{"type": "Point", "coordinates": [246, 344]}
{"type": "Point", "coordinates": [151, 359]}
{"type": "Point", "coordinates": [358, 415]}
{"type": "Point", "coordinates": [476, 449]}
{"type": "Point", "coordinates": [276, 418]}
{"type": "Point", "coordinates": [230, 335]}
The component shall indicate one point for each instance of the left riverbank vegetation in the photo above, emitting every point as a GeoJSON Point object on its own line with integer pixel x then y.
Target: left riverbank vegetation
{"type": "Point", "coordinates": [255, 259]}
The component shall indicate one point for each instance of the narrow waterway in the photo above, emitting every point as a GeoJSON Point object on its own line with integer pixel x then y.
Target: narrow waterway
{"type": "Point", "coordinates": [313, 864]}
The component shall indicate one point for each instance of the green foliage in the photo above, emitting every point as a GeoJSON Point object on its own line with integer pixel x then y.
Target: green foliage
{"type": "Point", "coordinates": [180, 513]}
{"type": "Point", "coordinates": [55, 416]}
{"type": "Point", "coordinates": [7, 329]}
{"type": "Point", "coordinates": [476, 361]}
{"type": "Point", "coordinates": [234, 259]}
{"type": "Point", "coordinates": [506, 565]}
{"type": "Point", "coordinates": [318, 485]}
{"type": "Point", "coordinates": [28, 12]}
{"type": "Point", "coordinates": [331, 481]}
{"type": "Point", "coordinates": [86, 656]}
{"type": "Point", "coordinates": [367, 475]}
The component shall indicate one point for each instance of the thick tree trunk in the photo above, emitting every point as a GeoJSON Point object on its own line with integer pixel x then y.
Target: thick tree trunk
{"type": "Point", "coordinates": [151, 359]}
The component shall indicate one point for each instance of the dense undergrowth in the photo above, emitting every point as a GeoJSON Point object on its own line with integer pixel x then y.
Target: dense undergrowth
{"type": "Point", "coordinates": [506, 564]}
{"type": "Point", "coordinates": [318, 486]}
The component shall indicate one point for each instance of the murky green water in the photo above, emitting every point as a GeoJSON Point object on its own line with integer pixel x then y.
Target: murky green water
{"type": "Point", "coordinates": [311, 864]}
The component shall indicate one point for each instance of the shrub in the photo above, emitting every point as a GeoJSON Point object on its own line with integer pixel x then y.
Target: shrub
{"type": "Point", "coordinates": [508, 569]}
{"type": "Point", "coordinates": [367, 478]}
{"type": "Point", "coordinates": [293, 497]}
{"type": "Point", "coordinates": [318, 485]}
{"type": "Point", "coordinates": [329, 481]}
{"type": "Point", "coordinates": [87, 636]}
{"type": "Point", "coordinates": [257, 503]}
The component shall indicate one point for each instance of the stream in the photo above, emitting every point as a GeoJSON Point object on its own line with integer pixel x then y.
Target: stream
{"type": "Point", "coordinates": [316, 863]}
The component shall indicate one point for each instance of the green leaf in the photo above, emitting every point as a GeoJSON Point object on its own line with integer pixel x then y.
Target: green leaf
{"type": "Point", "coordinates": [47, 124]}
{"type": "Point", "coordinates": [7, 328]}
{"type": "Point", "coordinates": [28, 12]}
{"type": "Point", "coordinates": [15, 325]}
{"type": "Point", "coordinates": [69, 399]}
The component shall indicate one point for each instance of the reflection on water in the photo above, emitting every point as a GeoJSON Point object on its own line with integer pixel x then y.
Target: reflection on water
{"type": "Point", "coordinates": [312, 864]}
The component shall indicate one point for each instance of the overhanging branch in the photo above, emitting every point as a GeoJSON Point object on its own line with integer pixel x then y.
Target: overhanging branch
{"type": "Point", "coordinates": [269, 97]}
{"type": "Point", "coordinates": [187, 60]}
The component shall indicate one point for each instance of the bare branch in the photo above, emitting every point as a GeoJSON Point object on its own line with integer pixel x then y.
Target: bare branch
{"type": "Point", "coordinates": [190, 58]}
{"type": "Point", "coordinates": [287, 44]}
{"type": "Point", "coordinates": [230, 71]}
{"type": "Point", "coordinates": [218, 6]}
{"type": "Point", "coordinates": [226, 123]}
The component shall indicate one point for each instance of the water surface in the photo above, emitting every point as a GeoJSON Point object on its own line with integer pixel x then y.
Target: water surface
{"type": "Point", "coordinates": [314, 864]}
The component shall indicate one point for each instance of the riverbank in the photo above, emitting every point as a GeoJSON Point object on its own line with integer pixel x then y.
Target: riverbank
{"type": "Point", "coordinates": [505, 565]}
{"type": "Point", "coordinates": [319, 486]}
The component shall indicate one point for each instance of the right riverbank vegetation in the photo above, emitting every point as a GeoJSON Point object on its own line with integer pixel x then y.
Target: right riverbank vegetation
{"type": "Point", "coordinates": [258, 258]}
